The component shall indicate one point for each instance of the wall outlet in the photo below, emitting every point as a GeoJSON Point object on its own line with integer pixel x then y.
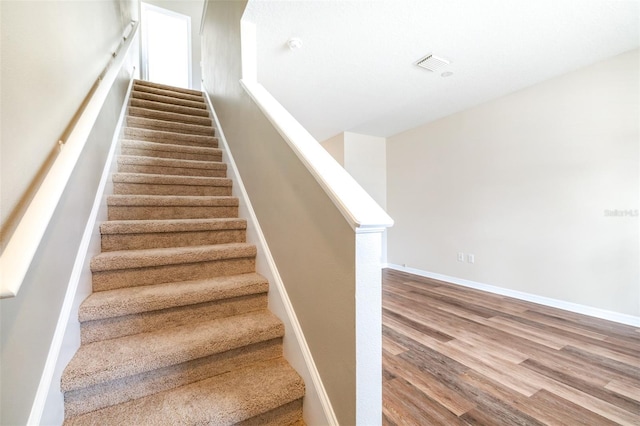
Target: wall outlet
{"type": "Point", "coordinates": [460, 256]}
{"type": "Point", "coordinates": [471, 258]}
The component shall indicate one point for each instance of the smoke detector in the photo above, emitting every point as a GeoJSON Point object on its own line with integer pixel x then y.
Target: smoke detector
{"type": "Point", "coordinates": [432, 62]}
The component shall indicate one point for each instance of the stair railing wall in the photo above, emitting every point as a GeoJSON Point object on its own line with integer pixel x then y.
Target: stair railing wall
{"type": "Point", "coordinates": [323, 229]}
{"type": "Point", "coordinates": [25, 240]}
{"type": "Point", "coordinates": [36, 322]}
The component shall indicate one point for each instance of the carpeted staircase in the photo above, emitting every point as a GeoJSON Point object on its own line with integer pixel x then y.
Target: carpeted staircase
{"type": "Point", "coordinates": [177, 329]}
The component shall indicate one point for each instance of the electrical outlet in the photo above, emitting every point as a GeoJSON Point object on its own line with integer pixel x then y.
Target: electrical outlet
{"type": "Point", "coordinates": [460, 256]}
{"type": "Point", "coordinates": [471, 258]}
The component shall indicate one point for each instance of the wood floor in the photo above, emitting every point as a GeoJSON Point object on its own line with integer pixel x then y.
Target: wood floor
{"type": "Point", "coordinates": [457, 356]}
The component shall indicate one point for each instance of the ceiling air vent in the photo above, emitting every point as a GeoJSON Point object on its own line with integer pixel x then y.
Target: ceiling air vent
{"type": "Point", "coordinates": [432, 63]}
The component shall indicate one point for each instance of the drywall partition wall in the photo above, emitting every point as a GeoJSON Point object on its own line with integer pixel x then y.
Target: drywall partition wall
{"type": "Point", "coordinates": [28, 321]}
{"type": "Point", "coordinates": [193, 9]}
{"type": "Point", "coordinates": [52, 53]}
{"type": "Point", "coordinates": [365, 158]}
{"type": "Point", "coordinates": [335, 147]}
{"type": "Point", "coordinates": [540, 185]}
{"type": "Point", "coordinates": [312, 244]}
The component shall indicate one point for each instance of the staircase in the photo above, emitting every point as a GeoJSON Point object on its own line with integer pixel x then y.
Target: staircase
{"type": "Point", "coordinates": [177, 329]}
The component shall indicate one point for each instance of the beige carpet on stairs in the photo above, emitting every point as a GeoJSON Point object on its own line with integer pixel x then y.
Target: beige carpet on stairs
{"type": "Point", "coordinates": [177, 330]}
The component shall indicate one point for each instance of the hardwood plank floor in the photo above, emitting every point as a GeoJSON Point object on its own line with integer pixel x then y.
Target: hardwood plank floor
{"type": "Point", "coordinates": [458, 356]}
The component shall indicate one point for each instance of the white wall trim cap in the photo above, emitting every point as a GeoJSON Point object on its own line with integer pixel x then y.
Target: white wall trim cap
{"type": "Point", "coordinates": [631, 320]}
{"type": "Point", "coordinates": [357, 207]}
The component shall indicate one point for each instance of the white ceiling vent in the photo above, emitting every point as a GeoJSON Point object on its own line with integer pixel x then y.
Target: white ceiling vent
{"type": "Point", "coordinates": [432, 63]}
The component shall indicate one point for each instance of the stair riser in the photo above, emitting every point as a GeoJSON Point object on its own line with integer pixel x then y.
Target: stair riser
{"type": "Point", "coordinates": [168, 100]}
{"type": "Point", "coordinates": [150, 189]}
{"type": "Point", "coordinates": [164, 92]}
{"type": "Point", "coordinates": [115, 242]}
{"type": "Point", "coordinates": [159, 106]}
{"type": "Point", "coordinates": [169, 116]}
{"type": "Point", "coordinates": [177, 155]}
{"type": "Point", "coordinates": [171, 138]}
{"type": "Point", "coordinates": [109, 280]}
{"type": "Point", "coordinates": [118, 391]}
{"type": "Point", "coordinates": [174, 171]}
{"type": "Point", "coordinates": [286, 415]}
{"type": "Point", "coordinates": [93, 331]}
{"type": "Point", "coordinates": [170, 212]}
{"type": "Point", "coordinates": [168, 126]}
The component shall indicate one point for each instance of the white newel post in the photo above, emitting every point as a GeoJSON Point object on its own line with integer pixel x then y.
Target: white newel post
{"type": "Point", "coordinates": [368, 327]}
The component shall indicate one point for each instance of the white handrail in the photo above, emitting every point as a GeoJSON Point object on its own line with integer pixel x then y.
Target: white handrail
{"type": "Point", "coordinates": [361, 211]}
{"type": "Point", "coordinates": [18, 254]}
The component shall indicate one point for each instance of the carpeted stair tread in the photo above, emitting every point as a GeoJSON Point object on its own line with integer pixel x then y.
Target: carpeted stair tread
{"type": "Point", "coordinates": [166, 87]}
{"type": "Point", "coordinates": [177, 225]}
{"type": "Point", "coordinates": [165, 92]}
{"type": "Point", "coordinates": [175, 138]}
{"type": "Point", "coordinates": [160, 106]}
{"type": "Point", "coordinates": [126, 356]}
{"type": "Point", "coordinates": [158, 179]}
{"type": "Point", "coordinates": [119, 391]}
{"type": "Point", "coordinates": [167, 147]}
{"type": "Point", "coordinates": [143, 234]}
{"type": "Point", "coordinates": [170, 200]}
{"type": "Point", "coordinates": [171, 166]}
{"type": "Point", "coordinates": [168, 100]}
{"type": "Point", "coordinates": [177, 329]}
{"type": "Point", "coordinates": [133, 300]}
{"type": "Point", "coordinates": [226, 399]}
{"type": "Point", "coordinates": [161, 207]}
{"type": "Point", "coordinates": [135, 259]}
{"type": "Point", "coordinates": [169, 116]}
{"type": "Point", "coordinates": [170, 126]}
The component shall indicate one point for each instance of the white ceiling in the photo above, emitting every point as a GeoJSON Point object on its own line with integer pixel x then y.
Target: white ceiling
{"type": "Point", "coordinates": [356, 69]}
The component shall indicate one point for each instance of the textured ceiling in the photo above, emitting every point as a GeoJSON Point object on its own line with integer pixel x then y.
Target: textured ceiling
{"type": "Point", "coordinates": [356, 69]}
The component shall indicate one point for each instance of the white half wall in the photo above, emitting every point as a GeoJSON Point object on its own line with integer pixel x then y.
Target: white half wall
{"type": "Point", "coordinates": [541, 186]}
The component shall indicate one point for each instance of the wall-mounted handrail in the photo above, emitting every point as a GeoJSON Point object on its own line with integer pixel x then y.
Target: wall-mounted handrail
{"type": "Point", "coordinates": [21, 248]}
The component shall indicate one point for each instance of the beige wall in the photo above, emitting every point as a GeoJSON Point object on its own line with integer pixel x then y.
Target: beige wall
{"type": "Point", "coordinates": [364, 157]}
{"type": "Point", "coordinates": [335, 147]}
{"type": "Point", "coordinates": [523, 183]}
{"type": "Point", "coordinates": [51, 53]}
{"type": "Point", "coordinates": [312, 244]}
{"type": "Point", "coordinates": [192, 8]}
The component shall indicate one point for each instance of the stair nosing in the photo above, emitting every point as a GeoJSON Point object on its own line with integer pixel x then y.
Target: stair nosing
{"type": "Point", "coordinates": [176, 117]}
{"type": "Point", "coordinates": [167, 147]}
{"type": "Point", "coordinates": [177, 89]}
{"type": "Point", "coordinates": [151, 121]}
{"type": "Point", "coordinates": [163, 179]}
{"type": "Point", "coordinates": [115, 367]}
{"type": "Point", "coordinates": [172, 200]}
{"type": "Point", "coordinates": [99, 305]}
{"type": "Point", "coordinates": [159, 106]}
{"type": "Point", "coordinates": [163, 134]}
{"type": "Point", "coordinates": [178, 163]}
{"type": "Point", "coordinates": [118, 260]}
{"type": "Point", "coordinates": [123, 227]}
{"type": "Point", "coordinates": [260, 382]}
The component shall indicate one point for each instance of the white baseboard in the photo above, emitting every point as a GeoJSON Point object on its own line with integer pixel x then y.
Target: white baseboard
{"type": "Point", "coordinates": [48, 406]}
{"type": "Point", "coordinates": [317, 406]}
{"type": "Point", "coordinates": [546, 301]}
